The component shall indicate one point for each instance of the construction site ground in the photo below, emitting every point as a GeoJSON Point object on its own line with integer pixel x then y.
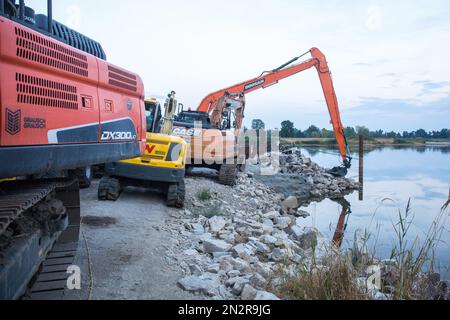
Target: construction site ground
{"type": "Point", "coordinates": [121, 252]}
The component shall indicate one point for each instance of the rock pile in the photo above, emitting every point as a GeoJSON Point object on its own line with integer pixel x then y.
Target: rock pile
{"type": "Point", "coordinates": [231, 251]}
{"type": "Point", "coordinates": [235, 243]}
{"type": "Point", "coordinates": [308, 181]}
{"type": "Point", "coordinates": [232, 243]}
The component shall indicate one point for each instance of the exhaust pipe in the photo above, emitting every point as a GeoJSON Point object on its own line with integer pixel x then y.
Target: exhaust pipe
{"type": "Point", "coordinates": [22, 10]}
{"type": "Point", "coordinates": [50, 17]}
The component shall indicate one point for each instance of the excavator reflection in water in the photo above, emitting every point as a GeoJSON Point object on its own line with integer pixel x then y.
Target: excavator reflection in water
{"type": "Point", "coordinates": [341, 226]}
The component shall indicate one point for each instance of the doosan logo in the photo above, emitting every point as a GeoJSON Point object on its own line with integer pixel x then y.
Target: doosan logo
{"type": "Point", "coordinates": [254, 84]}
{"type": "Point", "coordinates": [109, 135]}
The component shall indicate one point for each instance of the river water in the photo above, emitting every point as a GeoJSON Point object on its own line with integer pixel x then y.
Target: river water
{"type": "Point", "coordinates": [392, 177]}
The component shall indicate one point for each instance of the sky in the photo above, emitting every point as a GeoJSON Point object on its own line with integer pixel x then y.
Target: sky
{"type": "Point", "coordinates": [389, 59]}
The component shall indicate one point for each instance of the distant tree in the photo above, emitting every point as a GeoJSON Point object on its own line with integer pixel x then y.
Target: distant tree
{"type": "Point", "coordinates": [313, 132]}
{"type": "Point", "coordinates": [363, 131]}
{"type": "Point", "coordinates": [391, 135]}
{"type": "Point", "coordinates": [327, 133]}
{"type": "Point", "coordinates": [287, 129]}
{"type": "Point", "coordinates": [377, 134]}
{"type": "Point", "coordinates": [258, 124]}
{"type": "Point", "coordinates": [349, 132]}
{"type": "Point", "coordinates": [299, 133]}
{"type": "Point", "coordinates": [421, 133]}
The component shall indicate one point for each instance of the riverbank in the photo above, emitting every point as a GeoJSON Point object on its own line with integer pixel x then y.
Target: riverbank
{"type": "Point", "coordinates": [251, 242]}
{"type": "Point", "coordinates": [370, 142]}
{"type": "Point", "coordinates": [245, 242]}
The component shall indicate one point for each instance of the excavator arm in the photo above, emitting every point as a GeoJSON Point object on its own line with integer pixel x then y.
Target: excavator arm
{"type": "Point", "coordinates": [270, 78]}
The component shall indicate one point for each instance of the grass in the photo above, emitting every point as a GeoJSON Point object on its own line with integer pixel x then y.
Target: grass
{"type": "Point", "coordinates": [211, 211]}
{"type": "Point", "coordinates": [333, 279]}
{"type": "Point", "coordinates": [412, 257]}
{"type": "Point", "coordinates": [338, 273]}
{"type": "Point", "coordinates": [204, 195]}
{"type": "Point", "coordinates": [355, 141]}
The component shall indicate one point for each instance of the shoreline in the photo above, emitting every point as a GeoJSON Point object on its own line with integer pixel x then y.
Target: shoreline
{"type": "Point", "coordinates": [325, 142]}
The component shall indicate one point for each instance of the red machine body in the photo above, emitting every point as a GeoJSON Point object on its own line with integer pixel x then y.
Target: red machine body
{"type": "Point", "coordinates": [63, 108]}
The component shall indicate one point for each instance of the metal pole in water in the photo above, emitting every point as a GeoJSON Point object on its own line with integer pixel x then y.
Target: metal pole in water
{"type": "Point", "coordinates": [361, 168]}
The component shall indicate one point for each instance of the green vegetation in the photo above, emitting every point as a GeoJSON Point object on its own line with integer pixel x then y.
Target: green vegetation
{"type": "Point", "coordinates": [338, 273]}
{"type": "Point", "coordinates": [335, 280]}
{"type": "Point", "coordinates": [204, 195]}
{"type": "Point", "coordinates": [212, 211]}
{"type": "Point", "coordinates": [367, 141]}
{"type": "Point", "coordinates": [288, 130]}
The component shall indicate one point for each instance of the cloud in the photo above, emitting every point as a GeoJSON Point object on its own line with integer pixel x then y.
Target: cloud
{"type": "Point", "coordinates": [362, 64]}
{"type": "Point", "coordinates": [389, 74]}
{"type": "Point", "coordinates": [376, 51]}
{"type": "Point", "coordinates": [399, 114]}
{"type": "Point", "coordinates": [375, 63]}
{"type": "Point", "coordinates": [374, 18]}
{"type": "Point", "coordinates": [430, 86]}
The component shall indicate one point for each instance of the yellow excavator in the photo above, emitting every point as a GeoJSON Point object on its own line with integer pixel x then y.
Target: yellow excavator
{"type": "Point", "coordinates": [161, 168]}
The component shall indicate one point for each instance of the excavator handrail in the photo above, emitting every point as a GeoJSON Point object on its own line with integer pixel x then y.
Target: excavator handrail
{"type": "Point", "coordinates": [269, 78]}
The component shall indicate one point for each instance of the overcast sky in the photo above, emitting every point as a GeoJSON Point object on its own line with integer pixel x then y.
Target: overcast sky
{"type": "Point", "coordinates": [390, 59]}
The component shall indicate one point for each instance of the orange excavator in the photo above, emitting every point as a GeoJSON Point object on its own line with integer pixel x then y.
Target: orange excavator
{"type": "Point", "coordinates": [223, 110]}
{"type": "Point", "coordinates": [63, 108]}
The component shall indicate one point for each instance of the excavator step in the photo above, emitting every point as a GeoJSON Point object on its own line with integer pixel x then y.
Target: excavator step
{"type": "Point", "coordinates": [34, 266]}
{"type": "Point", "coordinates": [51, 281]}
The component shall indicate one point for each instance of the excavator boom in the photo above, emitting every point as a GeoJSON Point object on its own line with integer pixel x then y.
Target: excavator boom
{"type": "Point", "coordinates": [270, 78]}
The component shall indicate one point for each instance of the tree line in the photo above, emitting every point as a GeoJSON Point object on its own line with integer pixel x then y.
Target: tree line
{"type": "Point", "coordinates": [288, 130]}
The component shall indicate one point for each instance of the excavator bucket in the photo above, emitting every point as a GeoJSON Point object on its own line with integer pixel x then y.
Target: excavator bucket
{"type": "Point", "coordinates": [340, 171]}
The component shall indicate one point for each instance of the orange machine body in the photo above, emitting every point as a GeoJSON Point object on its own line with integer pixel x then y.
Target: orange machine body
{"type": "Point", "coordinates": [217, 102]}
{"type": "Point", "coordinates": [64, 105]}
{"type": "Point", "coordinates": [212, 103]}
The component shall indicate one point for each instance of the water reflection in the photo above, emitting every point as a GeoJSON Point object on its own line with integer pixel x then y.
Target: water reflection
{"type": "Point", "coordinates": [392, 176]}
{"type": "Point", "coordinates": [342, 222]}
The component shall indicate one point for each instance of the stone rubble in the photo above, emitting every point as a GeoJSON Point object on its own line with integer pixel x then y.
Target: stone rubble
{"type": "Point", "coordinates": [314, 182]}
{"type": "Point", "coordinates": [230, 245]}
{"type": "Point", "coordinates": [236, 239]}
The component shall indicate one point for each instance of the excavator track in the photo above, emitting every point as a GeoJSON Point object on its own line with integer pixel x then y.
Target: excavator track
{"type": "Point", "coordinates": [228, 174]}
{"type": "Point", "coordinates": [39, 232]}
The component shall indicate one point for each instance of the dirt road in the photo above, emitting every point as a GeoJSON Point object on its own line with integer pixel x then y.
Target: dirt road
{"type": "Point", "coordinates": [126, 248]}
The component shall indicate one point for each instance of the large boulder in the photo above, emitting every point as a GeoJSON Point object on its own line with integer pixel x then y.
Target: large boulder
{"type": "Point", "coordinates": [197, 229]}
{"type": "Point", "coordinates": [212, 245]}
{"type": "Point", "coordinates": [264, 295]}
{"type": "Point", "coordinates": [248, 293]}
{"type": "Point", "coordinates": [283, 222]}
{"type": "Point", "coordinates": [278, 254]}
{"type": "Point", "coordinates": [308, 238]}
{"type": "Point", "coordinates": [258, 281]}
{"type": "Point", "coordinates": [290, 204]}
{"type": "Point", "coordinates": [271, 215]}
{"type": "Point", "coordinates": [217, 223]}
{"type": "Point", "coordinates": [244, 251]}
{"type": "Point", "coordinates": [205, 284]}
{"type": "Point", "coordinates": [239, 285]}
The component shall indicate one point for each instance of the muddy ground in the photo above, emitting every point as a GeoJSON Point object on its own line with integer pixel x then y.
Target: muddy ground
{"type": "Point", "coordinates": [127, 248]}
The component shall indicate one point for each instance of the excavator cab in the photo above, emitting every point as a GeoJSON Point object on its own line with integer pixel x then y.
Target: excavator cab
{"type": "Point", "coordinates": [161, 168]}
{"type": "Point", "coordinates": [188, 119]}
{"type": "Point", "coordinates": [153, 115]}
{"type": "Point", "coordinates": [229, 112]}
